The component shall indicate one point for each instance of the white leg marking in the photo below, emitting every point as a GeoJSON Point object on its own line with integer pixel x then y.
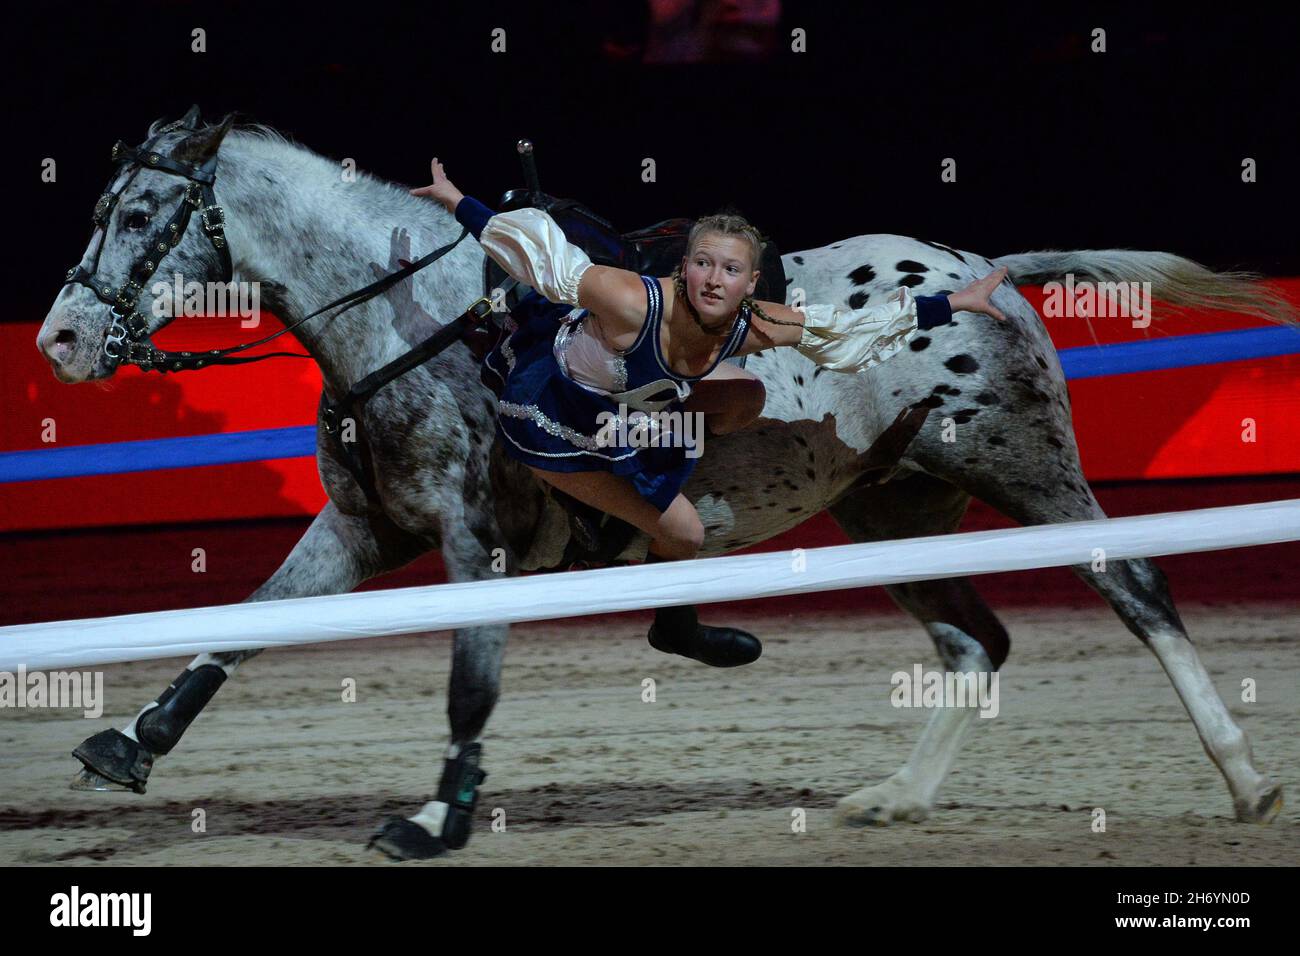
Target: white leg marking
{"type": "Point", "coordinates": [434, 813]}
{"type": "Point", "coordinates": [431, 817]}
{"type": "Point", "coordinates": [1255, 798]}
{"type": "Point", "coordinates": [909, 794]}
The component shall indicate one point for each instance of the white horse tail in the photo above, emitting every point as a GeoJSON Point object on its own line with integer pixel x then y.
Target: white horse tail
{"type": "Point", "coordinates": [1174, 280]}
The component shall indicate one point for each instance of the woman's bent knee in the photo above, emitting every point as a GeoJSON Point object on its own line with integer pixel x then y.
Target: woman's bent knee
{"type": "Point", "coordinates": [681, 533]}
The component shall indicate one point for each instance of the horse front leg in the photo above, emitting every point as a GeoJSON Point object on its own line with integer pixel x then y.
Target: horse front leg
{"type": "Point", "coordinates": [966, 633]}
{"type": "Point", "coordinates": [336, 554]}
{"type": "Point", "coordinates": [473, 549]}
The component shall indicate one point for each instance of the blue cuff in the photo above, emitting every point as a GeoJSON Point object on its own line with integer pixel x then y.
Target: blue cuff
{"type": "Point", "coordinates": [931, 310]}
{"type": "Point", "coordinates": [473, 215]}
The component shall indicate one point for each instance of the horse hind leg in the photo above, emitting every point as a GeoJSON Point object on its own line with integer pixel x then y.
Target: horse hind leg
{"type": "Point", "coordinates": [1139, 593]}
{"type": "Point", "coordinates": [336, 554]}
{"type": "Point", "coordinates": [967, 635]}
{"type": "Point", "coordinates": [1045, 484]}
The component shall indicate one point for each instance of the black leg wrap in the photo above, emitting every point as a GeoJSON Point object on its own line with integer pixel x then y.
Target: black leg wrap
{"type": "Point", "coordinates": [116, 757]}
{"type": "Point", "coordinates": [160, 729]}
{"type": "Point", "coordinates": [458, 788]}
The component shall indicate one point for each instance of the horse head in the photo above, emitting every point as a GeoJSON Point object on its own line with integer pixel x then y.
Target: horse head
{"type": "Point", "coordinates": [110, 302]}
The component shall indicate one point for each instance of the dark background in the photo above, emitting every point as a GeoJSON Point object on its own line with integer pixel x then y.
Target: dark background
{"type": "Point", "coordinates": [1056, 147]}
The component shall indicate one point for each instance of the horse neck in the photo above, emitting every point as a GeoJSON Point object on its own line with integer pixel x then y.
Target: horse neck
{"type": "Point", "coordinates": [307, 237]}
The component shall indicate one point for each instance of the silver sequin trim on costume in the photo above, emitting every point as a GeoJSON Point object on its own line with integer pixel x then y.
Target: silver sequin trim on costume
{"type": "Point", "coordinates": [563, 339]}
{"type": "Point", "coordinates": [511, 328]}
{"type": "Point", "coordinates": [572, 436]}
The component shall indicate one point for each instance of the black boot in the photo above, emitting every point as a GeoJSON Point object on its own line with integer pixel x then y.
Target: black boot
{"type": "Point", "coordinates": [677, 630]}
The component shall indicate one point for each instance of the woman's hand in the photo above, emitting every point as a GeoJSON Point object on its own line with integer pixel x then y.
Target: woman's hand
{"type": "Point", "coordinates": [442, 189]}
{"type": "Point", "coordinates": [975, 297]}
{"type": "Point", "coordinates": [413, 323]}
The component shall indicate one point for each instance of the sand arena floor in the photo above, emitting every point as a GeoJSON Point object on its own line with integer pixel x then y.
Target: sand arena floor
{"type": "Point", "coordinates": [588, 773]}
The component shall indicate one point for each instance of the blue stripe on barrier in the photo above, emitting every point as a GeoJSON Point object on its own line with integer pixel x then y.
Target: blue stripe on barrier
{"type": "Point", "coordinates": [1182, 351]}
{"type": "Point", "coordinates": [116, 458]}
{"type": "Point", "coordinates": [300, 441]}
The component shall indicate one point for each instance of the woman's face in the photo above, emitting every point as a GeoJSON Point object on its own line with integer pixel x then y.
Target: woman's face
{"type": "Point", "coordinates": [719, 275]}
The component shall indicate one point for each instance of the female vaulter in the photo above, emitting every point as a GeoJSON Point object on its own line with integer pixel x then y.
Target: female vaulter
{"type": "Point", "coordinates": [593, 338]}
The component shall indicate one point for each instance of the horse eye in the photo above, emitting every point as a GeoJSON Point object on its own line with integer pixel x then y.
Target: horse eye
{"type": "Point", "coordinates": [137, 220]}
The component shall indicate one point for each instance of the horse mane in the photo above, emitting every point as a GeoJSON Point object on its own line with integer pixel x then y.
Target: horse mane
{"type": "Point", "coordinates": [263, 131]}
{"type": "Point", "coordinates": [245, 126]}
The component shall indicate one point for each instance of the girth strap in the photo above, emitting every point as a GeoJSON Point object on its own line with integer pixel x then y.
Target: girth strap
{"type": "Point", "coordinates": [335, 414]}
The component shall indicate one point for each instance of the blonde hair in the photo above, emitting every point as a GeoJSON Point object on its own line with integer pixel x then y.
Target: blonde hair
{"type": "Point", "coordinates": [726, 223]}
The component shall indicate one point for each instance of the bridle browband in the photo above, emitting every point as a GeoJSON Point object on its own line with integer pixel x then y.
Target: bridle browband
{"type": "Point", "coordinates": [127, 340]}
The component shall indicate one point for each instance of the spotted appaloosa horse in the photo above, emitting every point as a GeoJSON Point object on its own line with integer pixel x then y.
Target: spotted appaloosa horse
{"type": "Point", "coordinates": [294, 227]}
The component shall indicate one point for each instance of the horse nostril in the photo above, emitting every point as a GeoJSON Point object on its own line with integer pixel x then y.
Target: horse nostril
{"type": "Point", "coordinates": [58, 346]}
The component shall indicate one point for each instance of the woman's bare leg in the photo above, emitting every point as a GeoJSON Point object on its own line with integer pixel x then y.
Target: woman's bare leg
{"type": "Point", "coordinates": [675, 534]}
{"type": "Point", "coordinates": [729, 397]}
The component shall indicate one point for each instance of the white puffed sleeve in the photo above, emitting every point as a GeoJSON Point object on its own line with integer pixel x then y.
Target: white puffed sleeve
{"type": "Point", "coordinates": [854, 340]}
{"type": "Point", "coordinates": [530, 246]}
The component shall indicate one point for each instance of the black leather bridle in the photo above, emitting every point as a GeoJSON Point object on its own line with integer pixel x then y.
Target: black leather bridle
{"type": "Point", "coordinates": [127, 341]}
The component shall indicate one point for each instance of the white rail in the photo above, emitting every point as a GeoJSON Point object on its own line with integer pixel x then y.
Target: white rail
{"type": "Point", "coordinates": [340, 617]}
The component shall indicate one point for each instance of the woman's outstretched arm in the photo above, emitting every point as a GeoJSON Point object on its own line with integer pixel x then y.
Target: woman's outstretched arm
{"type": "Point", "coordinates": [530, 246]}
{"type": "Point", "coordinates": [854, 340]}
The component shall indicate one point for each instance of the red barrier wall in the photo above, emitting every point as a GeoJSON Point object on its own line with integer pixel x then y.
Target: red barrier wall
{"type": "Point", "coordinates": [1180, 423]}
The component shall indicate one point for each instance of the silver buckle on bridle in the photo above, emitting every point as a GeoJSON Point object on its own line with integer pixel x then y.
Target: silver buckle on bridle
{"type": "Point", "coordinates": [214, 219]}
{"type": "Point", "coordinates": [113, 342]}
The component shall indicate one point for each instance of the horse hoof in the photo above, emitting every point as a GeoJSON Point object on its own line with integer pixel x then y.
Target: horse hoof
{"type": "Point", "coordinates": [881, 805]}
{"type": "Point", "coordinates": [1263, 810]}
{"type": "Point", "coordinates": [114, 758]}
{"type": "Point", "coordinates": [89, 780]}
{"type": "Point", "coordinates": [400, 839]}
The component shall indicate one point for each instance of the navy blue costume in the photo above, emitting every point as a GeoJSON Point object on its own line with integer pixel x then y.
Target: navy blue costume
{"type": "Point", "coordinates": [550, 421]}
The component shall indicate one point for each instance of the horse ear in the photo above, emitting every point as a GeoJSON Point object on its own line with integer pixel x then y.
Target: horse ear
{"type": "Point", "coordinates": [203, 145]}
{"type": "Point", "coordinates": [189, 121]}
